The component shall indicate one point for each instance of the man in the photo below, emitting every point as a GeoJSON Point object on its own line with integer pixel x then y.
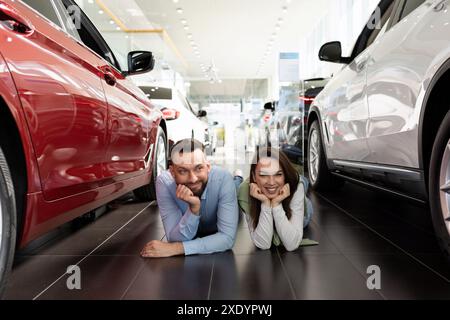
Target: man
{"type": "Point", "coordinates": [197, 203]}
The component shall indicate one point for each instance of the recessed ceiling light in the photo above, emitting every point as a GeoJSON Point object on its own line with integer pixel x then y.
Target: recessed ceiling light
{"type": "Point", "coordinates": [285, 9]}
{"type": "Point", "coordinates": [189, 36]}
{"type": "Point", "coordinates": [180, 10]}
{"type": "Point", "coordinates": [280, 20]}
{"type": "Point", "coordinates": [118, 29]}
{"type": "Point", "coordinates": [183, 21]}
{"type": "Point", "coordinates": [111, 22]}
{"type": "Point", "coordinates": [186, 27]}
{"type": "Point", "coordinates": [175, 1]}
{"type": "Point", "coordinates": [101, 12]}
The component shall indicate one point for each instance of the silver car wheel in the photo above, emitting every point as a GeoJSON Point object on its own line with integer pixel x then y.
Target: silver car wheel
{"type": "Point", "coordinates": [444, 182]}
{"type": "Point", "coordinates": [161, 161]}
{"type": "Point", "coordinates": [313, 155]}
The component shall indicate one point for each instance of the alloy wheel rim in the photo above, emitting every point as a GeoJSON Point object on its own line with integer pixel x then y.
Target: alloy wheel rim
{"type": "Point", "coordinates": [313, 156]}
{"type": "Point", "coordinates": [161, 163]}
{"type": "Point", "coordinates": [444, 186]}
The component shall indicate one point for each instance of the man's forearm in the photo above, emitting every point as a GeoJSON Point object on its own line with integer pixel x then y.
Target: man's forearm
{"type": "Point", "coordinates": [186, 229]}
{"type": "Point", "coordinates": [218, 242]}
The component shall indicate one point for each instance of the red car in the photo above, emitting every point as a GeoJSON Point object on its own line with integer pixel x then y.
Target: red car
{"type": "Point", "coordinates": [75, 132]}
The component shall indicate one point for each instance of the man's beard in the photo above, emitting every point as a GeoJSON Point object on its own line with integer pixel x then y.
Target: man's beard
{"type": "Point", "coordinates": [200, 191]}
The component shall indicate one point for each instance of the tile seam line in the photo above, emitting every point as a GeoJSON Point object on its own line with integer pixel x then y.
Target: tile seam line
{"type": "Point", "coordinates": [386, 239]}
{"type": "Point", "coordinates": [291, 287]}
{"type": "Point", "coordinates": [348, 260]}
{"type": "Point", "coordinates": [364, 276]}
{"type": "Point", "coordinates": [210, 280]}
{"type": "Point", "coordinates": [132, 281]}
{"type": "Point", "coordinates": [95, 249]}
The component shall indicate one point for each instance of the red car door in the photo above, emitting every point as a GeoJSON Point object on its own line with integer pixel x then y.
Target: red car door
{"type": "Point", "coordinates": [132, 124]}
{"type": "Point", "coordinates": [132, 119]}
{"type": "Point", "coordinates": [60, 88]}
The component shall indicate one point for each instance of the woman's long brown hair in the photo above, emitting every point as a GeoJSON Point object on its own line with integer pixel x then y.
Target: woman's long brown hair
{"type": "Point", "coordinates": [290, 174]}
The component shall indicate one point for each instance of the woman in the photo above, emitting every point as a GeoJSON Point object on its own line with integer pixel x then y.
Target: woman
{"type": "Point", "coordinates": [274, 201]}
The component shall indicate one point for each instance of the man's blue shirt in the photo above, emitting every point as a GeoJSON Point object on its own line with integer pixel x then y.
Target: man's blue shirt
{"type": "Point", "coordinates": [218, 219]}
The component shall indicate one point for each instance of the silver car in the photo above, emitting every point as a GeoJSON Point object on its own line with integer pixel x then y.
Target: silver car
{"type": "Point", "coordinates": [384, 119]}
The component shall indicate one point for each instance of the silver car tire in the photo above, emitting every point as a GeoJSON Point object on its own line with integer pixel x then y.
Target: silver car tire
{"type": "Point", "coordinates": [439, 185]}
{"type": "Point", "coordinates": [319, 174]}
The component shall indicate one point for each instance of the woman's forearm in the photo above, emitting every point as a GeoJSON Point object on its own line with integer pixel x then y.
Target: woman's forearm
{"type": "Point", "coordinates": [262, 235]}
{"type": "Point", "coordinates": [289, 231]}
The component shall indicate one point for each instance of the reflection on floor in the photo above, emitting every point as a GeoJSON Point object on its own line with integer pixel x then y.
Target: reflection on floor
{"type": "Point", "coordinates": [356, 228]}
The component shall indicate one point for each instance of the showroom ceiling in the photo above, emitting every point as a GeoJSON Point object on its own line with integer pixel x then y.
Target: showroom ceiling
{"type": "Point", "coordinates": [226, 39]}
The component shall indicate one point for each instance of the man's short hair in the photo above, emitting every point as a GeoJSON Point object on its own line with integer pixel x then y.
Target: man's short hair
{"type": "Point", "coordinates": [185, 146]}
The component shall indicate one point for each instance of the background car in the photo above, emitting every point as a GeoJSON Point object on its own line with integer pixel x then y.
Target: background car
{"type": "Point", "coordinates": [284, 121]}
{"type": "Point", "coordinates": [183, 121]}
{"type": "Point", "coordinates": [384, 120]}
{"type": "Point", "coordinates": [76, 133]}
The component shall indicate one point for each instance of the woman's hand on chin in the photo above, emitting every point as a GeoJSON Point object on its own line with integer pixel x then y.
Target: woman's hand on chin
{"type": "Point", "coordinates": [284, 193]}
{"type": "Point", "coordinates": [256, 193]}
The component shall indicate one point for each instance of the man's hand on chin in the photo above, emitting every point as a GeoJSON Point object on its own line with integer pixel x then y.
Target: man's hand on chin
{"type": "Point", "coordinates": [185, 194]}
{"type": "Point", "coordinates": [159, 249]}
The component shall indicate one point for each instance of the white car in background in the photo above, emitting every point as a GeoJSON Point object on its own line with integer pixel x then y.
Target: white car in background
{"type": "Point", "coordinates": [384, 121]}
{"type": "Point", "coordinates": [183, 121]}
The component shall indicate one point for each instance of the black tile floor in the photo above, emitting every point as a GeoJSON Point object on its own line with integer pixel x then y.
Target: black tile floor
{"type": "Point", "coordinates": [356, 228]}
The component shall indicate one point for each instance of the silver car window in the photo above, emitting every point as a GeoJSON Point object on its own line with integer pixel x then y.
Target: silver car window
{"type": "Point", "coordinates": [382, 27]}
{"type": "Point", "coordinates": [409, 6]}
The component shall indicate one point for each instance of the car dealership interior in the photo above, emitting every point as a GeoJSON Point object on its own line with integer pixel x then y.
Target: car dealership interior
{"type": "Point", "coordinates": [224, 150]}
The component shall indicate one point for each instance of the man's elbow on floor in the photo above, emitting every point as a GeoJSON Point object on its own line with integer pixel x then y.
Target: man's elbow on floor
{"type": "Point", "coordinates": [230, 243]}
{"type": "Point", "coordinates": [227, 244]}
